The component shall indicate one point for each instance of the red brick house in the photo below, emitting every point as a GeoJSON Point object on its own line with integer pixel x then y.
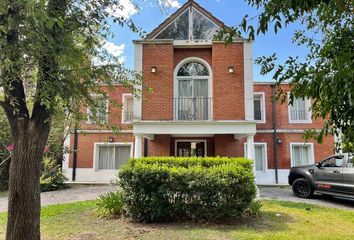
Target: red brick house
{"type": "Point", "coordinates": [204, 103]}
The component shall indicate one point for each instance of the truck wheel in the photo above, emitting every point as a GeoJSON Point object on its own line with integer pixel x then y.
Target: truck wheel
{"type": "Point", "coordinates": [302, 188]}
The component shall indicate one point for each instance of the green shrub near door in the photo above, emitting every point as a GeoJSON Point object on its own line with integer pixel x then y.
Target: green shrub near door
{"type": "Point", "coordinates": [162, 189]}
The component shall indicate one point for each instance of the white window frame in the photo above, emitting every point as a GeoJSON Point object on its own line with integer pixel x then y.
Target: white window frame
{"type": "Point", "coordinates": [265, 152]}
{"type": "Point", "coordinates": [210, 82]}
{"type": "Point", "coordinates": [302, 144]}
{"type": "Point", "coordinates": [307, 107]}
{"type": "Point", "coordinates": [124, 99]}
{"type": "Point", "coordinates": [263, 106]}
{"type": "Point", "coordinates": [88, 111]}
{"type": "Point", "coordinates": [192, 140]}
{"type": "Point", "coordinates": [96, 152]}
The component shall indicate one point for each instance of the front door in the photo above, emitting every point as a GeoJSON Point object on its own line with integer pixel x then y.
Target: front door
{"type": "Point", "coordinates": [190, 149]}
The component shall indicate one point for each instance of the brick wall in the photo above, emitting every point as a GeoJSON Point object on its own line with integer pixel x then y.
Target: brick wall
{"type": "Point", "coordinates": [228, 88]}
{"type": "Point", "coordinates": [158, 105]}
{"type": "Point", "coordinates": [114, 108]}
{"type": "Point", "coordinates": [281, 112]}
{"type": "Point", "coordinates": [284, 159]}
{"type": "Point", "coordinates": [161, 146]}
{"type": "Point", "coordinates": [227, 146]}
{"type": "Point", "coordinates": [86, 146]}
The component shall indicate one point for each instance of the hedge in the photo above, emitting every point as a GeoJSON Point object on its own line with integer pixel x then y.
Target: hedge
{"type": "Point", "coordinates": [163, 189]}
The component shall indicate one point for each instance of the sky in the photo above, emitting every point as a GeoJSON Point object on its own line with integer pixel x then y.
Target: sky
{"type": "Point", "coordinates": [231, 12]}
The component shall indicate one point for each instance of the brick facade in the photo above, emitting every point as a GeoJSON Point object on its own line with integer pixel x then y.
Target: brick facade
{"type": "Point", "coordinates": [228, 92]}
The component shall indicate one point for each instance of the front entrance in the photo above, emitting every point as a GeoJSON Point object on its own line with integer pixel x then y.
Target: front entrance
{"type": "Point", "coordinates": [190, 148]}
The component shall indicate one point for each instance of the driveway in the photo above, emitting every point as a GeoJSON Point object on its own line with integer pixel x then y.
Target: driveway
{"type": "Point", "coordinates": [286, 194]}
{"type": "Point", "coordinates": [86, 192]}
{"type": "Point", "coordinates": [74, 194]}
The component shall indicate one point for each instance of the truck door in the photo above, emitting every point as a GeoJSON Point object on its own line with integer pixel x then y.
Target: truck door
{"type": "Point", "coordinates": [348, 175]}
{"type": "Point", "coordinates": [328, 175]}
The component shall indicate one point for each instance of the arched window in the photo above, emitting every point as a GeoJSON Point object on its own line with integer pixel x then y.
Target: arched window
{"type": "Point", "coordinates": [192, 100]}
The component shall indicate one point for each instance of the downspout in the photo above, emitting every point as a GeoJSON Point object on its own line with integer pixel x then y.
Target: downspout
{"type": "Point", "coordinates": [75, 154]}
{"type": "Point", "coordinates": [145, 147]}
{"type": "Point", "coordinates": [275, 142]}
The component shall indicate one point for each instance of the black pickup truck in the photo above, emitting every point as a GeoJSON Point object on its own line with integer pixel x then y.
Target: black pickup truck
{"type": "Point", "coordinates": [333, 176]}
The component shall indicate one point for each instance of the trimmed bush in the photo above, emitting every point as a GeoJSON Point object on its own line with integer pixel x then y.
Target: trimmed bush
{"type": "Point", "coordinates": [162, 189]}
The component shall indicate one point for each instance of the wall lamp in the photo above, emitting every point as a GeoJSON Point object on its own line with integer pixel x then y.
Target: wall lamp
{"type": "Point", "coordinates": [111, 139]}
{"type": "Point", "coordinates": [231, 69]}
{"type": "Point", "coordinates": [279, 141]}
{"type": "Point", "coordinates": [153, 69]}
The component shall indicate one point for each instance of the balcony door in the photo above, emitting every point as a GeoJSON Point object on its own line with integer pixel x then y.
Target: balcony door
{"type": "Point", "coordinates": [192, 101]}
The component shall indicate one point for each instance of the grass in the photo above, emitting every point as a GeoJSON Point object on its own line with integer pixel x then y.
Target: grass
{"type": "Point", "coordinates": [3, 194]}
{"type": "Point", "coordinates": [280, 220]}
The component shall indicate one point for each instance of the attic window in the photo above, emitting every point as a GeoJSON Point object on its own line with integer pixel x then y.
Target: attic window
{"type": "Point", "coordinates": [189, 25]}
{"type": "Point", "coordinates": [178, 29]}
{"type": "Point", "coordinates": [203, 27]}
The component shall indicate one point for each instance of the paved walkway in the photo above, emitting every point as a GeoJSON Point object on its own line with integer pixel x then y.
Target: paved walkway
{"type": "Point", "coordinates": [74, 194]}
{"type": "Point", "coordinates": [286, 194]}
{"type": "Point", "coordinates": [85, 192]}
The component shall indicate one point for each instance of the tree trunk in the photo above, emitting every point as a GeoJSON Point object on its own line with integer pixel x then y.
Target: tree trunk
{"type": "Point", "coordinates": [24, 184]}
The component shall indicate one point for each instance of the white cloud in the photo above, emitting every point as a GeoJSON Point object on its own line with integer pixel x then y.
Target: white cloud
{"type": "Point", "coordinates": [169, 3]}
{"type": "Point", "coordinates": [125, 10]}
{"type": "Point", "coordinates": [115, 50]}
{"type": "Point", "coordinates": [173, 3]}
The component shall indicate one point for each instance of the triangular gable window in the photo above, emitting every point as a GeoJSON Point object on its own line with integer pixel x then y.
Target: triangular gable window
{"type": "Point", "coordinates": [190, 25]}
{"type": "Point", "coordinates": [203, 27]}
{"type": "Point", "coordinates": [178, 29]}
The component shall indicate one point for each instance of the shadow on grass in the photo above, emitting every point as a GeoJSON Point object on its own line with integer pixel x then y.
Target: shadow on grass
{"type": "Point", "coordinates": [269, 221]}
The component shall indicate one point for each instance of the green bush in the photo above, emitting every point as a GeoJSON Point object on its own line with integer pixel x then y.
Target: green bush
{"type": "Point", "coordinates": [110, 205]}
{"type": "Point", "coordinates": [164, 189]}
{"type": "Point", "coordinates": [52, 177]}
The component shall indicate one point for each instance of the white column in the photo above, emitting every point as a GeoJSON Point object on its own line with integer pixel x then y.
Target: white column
{"type": "Point", "coordinates": [251, 155]}
{"type": "Point", "coordinates": [138, 146]}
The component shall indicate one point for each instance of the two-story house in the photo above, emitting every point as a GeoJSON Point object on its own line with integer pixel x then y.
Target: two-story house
{"type": "Point", "coordinates": [204, 103]}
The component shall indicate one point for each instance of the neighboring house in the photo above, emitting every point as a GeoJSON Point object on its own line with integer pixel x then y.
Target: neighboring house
{"type": "Point", "coordinates": [204, 103]}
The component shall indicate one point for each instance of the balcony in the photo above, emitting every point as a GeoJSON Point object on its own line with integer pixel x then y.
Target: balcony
{"type": "Point", "coordinates": [192, 109]}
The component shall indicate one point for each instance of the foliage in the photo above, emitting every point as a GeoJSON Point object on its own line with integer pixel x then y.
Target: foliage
{"type": "Point", "coordinates": [325, 74]}
{"type": "Point", "coordinates": [52, 58]}
{"type": "Point", "coordinates": [52, 177]}
{"type": "Point", "coordinates": [5, 140]}
{"type": "Point", "coordinates": [110, 205]}
{"type": "Point", "coordinates": [167, 189]}
{"type": "Point", "coordinates": [254, 209]}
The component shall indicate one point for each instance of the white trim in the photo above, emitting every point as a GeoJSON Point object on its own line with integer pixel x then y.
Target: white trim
{"type": "Point", "coordinates": [263, 106]}
{"type": "Point", "coordinates": [265, 152]}
{"type": "Point", "coordinates": [195, 127]}
{"type": "Point", "coordinates": [88, 111]}
{"type": "Point", "coordinates": [312, 151]}
{"type": "Point", "coordinates": [104, 131]}
{"type": "Point", "coordinates": [248, 80]}
{"type": "Point", "coordinates": [192, 135]}
{"type": "Point", "coordinates": [259, 131]}
{"type": "Point", "coordinates": [124, 99]}
{"type": "Point", "coordinates": [307, 107]}
{"type": "Point", "coordinates": [138, 68]}
{"type": "Point", "coordinates": [192, 140]}
{"type": "Point", "coordinates": [96, 152]}
{"type": "Point", "coordinates": [210, 81]}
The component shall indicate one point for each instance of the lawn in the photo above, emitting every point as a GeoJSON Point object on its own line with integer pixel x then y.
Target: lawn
{"type": "Point", "coordinates": [281, 220]}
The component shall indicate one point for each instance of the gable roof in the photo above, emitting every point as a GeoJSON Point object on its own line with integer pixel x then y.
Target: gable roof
{"type": "Point", "coordinates": [181, 10]}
